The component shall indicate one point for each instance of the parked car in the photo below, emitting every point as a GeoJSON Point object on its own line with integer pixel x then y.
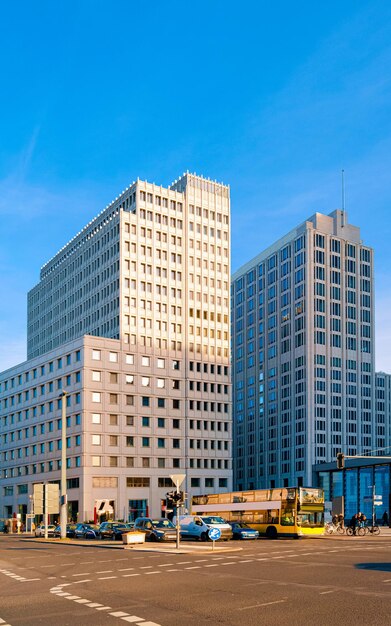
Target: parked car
{"type": "Point", "coordinates": [70, 531]}
{"type": "Point", "coordinates": [87, 531]}
{"type": "Point", "coordinates": [156, 529]}
{"type": "Point", "coordinates": [197, 527]}
{"type": "Point", "coordinates": [113, 530]}
{"type": "Point", "coordinates": [240, 530]}
{"type": "Point", "coordinates": [40, 530]}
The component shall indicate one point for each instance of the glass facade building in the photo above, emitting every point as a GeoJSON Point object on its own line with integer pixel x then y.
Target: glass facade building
{"type": "Point", "coordinates": [303, 355]}
{"type": "Point", "coordinates": [357, 484]}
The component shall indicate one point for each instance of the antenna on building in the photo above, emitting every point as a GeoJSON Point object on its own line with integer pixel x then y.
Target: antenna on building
{"type": "Point", "coordinates": [343, 196]}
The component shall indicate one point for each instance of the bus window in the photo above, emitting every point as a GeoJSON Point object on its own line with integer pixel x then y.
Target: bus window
{"type": "Point", "coordinates": [287, 516]}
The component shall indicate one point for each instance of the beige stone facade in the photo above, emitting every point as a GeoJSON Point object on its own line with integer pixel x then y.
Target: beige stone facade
{"type": "Point", "coordinates": [135, 309]}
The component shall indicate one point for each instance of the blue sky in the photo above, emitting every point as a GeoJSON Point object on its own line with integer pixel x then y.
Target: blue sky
{"type": "Point", "coordinates": [272, 98]}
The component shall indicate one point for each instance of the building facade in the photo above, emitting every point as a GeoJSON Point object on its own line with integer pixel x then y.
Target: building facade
{"type": "Point", "coordinates": [303, 354]}
{"type": "Point", "coordinates": [131, 319]}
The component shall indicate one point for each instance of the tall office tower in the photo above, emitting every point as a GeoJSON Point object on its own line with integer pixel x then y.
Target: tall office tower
{"type": "Point", "coordinates": [148, 281]}
{"type": "Point", "coordinates": [303, 354]}
{"type": "Point", "coordinates": [383, 414]}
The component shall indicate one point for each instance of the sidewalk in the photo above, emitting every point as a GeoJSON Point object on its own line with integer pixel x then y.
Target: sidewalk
{"type": "Point", "coordinates": [188, 547]}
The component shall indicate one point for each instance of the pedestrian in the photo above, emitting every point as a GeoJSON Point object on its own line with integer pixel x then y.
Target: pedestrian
{"type": "Point", "coordinates": [385, 518]}
{"type": "Point", "coordinates": [354, 522]}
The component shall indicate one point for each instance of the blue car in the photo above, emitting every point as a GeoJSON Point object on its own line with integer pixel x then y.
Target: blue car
{"type": "Point", "coordinates": [87, 531]}
{"type": "Point", "coordinates": [240, 530]}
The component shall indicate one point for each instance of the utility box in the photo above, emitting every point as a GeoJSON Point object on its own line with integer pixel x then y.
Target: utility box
{"type": "Point", "coordinates": [132, 538]}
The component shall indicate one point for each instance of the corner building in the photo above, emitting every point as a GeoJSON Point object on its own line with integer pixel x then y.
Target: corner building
{"type": "Point", "coordinates": [131, 319]}
{"type": "Point", "coordinates": [303, 354]}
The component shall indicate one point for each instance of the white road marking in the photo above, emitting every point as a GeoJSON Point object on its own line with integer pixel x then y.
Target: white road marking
{"type": "Point", "coordinates": [82, 601]}
{"type": "Point", "coordinates": [119, 614]}
{"type": "Point", "coordinates": [148, 573]}
{"type": "Point", "coordinates": [82, 574]}
{"type": "Point", "coordinates": [194, 567]}
{"type": "Point", "coordinates": [133, 618]}
{"type": "Point", "coordinates": [107, 577]}
{"type": "Point", "coordinates": [322, 593]}
{"type": "Point", "coordinates": [125, 569]}
{"type": "Point", "coordinates": [255, 606]}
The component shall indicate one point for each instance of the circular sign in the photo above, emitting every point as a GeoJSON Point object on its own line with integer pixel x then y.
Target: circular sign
{"type": "Point", "coordinates": [214, 534]}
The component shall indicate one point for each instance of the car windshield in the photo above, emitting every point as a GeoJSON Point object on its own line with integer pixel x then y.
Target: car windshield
{"type": "Point", "coordinates": [213, 520]}
{"type": "Point", "coordinates": [119, 525]}
{"type": "Point", "coordinates": [162, 523]}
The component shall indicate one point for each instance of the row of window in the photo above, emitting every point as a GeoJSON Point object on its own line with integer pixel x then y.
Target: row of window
{"type": "Point", "coordinates": [43, 370]}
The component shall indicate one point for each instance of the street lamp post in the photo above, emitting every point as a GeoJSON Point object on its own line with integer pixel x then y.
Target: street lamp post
{"type": "Point", "coordinates": [63, 487]}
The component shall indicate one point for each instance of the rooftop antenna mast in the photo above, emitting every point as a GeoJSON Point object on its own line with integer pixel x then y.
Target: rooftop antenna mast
{"type": "Point", "coordinates": [343, 196]}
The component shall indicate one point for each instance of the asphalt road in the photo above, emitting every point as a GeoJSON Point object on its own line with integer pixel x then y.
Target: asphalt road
{"type": "Point", "coordinates": [323, 581]}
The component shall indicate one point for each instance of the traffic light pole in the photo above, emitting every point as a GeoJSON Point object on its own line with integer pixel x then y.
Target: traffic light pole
{"type": "Point", "coordinates": [63, 500]}
{"type": "Point", "coordinates": [178, 534]}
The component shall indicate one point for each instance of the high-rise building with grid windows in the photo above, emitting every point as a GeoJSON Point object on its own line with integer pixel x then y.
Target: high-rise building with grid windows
{"type": "Point", "coordinates": [131, 319]}
{"type": "Point", "coordinates": [303, 354]}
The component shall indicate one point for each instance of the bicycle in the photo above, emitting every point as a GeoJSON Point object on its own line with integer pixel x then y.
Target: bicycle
{"type": "Point", "coordinates": [332, 529]}
{"type": "Point", "coordinates": [371, 530]}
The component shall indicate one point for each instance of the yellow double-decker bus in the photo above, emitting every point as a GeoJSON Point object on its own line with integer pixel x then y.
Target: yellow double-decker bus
{"type": "Point", "coordinates": [284, 512]}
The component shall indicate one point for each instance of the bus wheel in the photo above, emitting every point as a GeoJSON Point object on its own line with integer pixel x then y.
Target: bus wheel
{"type": "Point", "coordinates": [271, 532]}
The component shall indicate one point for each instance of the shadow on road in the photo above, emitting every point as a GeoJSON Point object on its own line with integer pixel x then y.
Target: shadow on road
{"type": "Point", "coordinates": [380, 567]}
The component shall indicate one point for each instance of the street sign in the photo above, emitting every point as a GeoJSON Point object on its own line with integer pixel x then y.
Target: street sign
{"type": "Point", "coordinates": [214, 534]}
{"type": "Point", "coordinates": [177, 479]}
{"type": "Point", "coordinates": [52, 494]}
{"type": "Point", "coordinates": [380, 497]}
{"type": "Point", "coordinates": [38, 499]}
{"type": "Point", "coordinates": [378, 503]}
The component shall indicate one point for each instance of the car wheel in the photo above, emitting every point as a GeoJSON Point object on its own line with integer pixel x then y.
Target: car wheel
{"type": "Point", "coordinates": [204, 537]}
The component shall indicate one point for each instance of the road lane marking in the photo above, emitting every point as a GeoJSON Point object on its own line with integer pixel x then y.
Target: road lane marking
{"type": "Point", "coordinates": [256, 606]}
{"type": "Point", "coordinates": [149, 573]}
{"type": "Point", "coordinates": [82, 574]}
{"type": "Point", "coordinates": [120, 614]}
{"type": "Point", "coordinates": [133, 618]}
{"type": "Point", "coordinates": [194, 567]}
{"type": "Point", "coordinates": [166, 565]}
{"type": "Point", "coordinates": [82, 601]}
{"type": "Point", "coordinates": [126, 569]}
{"type": "Point", "coordinates": [107, 577]}
{"type": "Point", "coordinates": [103, 608]}
{"type": "Point", "coordinates": [322, 593]}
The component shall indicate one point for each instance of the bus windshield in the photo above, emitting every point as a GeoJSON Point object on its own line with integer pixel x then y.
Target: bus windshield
{"type": "Point", "coordinates": [310, 520]}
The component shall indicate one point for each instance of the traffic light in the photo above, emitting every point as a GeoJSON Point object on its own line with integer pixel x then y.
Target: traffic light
{"type": "Point", "coordinates": [170, 501]}
{"type": "Point", "coordinates": [340, 460]}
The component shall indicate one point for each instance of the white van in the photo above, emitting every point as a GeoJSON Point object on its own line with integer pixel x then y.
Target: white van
{"type": "Point", "coordinates": [198, 526]}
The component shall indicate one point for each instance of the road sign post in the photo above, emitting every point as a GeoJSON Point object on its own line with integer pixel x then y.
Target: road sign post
{"type": "Point", "coordinates": [214, 534]}
{"type": "Point", "coordinates": [177, 479]}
